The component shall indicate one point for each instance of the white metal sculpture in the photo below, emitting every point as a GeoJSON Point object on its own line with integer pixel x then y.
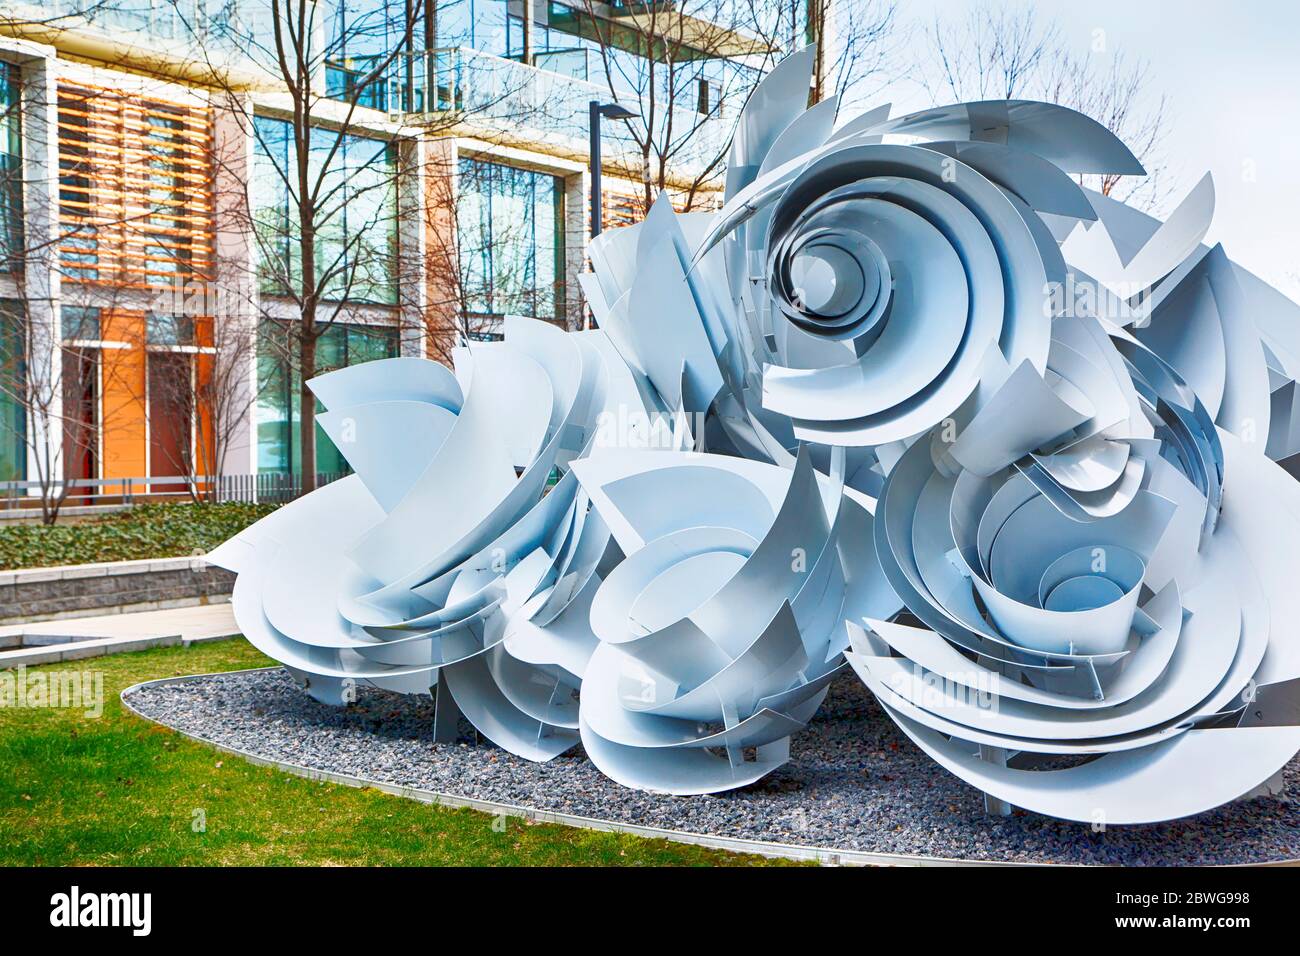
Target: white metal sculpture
{"type": "Point", "coordinates": [1006, 445]}
{"type": "Point", "coordinates": [723, 625]}
{"type": "Point", "coordinates": [443, 562]}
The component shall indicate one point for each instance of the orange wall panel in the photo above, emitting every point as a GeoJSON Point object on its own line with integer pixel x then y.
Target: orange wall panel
{"type": "Point", "coordinates": [441, 267]}
{"type": "Point", "coordinates": [206, 394]}
{"type": "Point", "coordinates": [124, 429]}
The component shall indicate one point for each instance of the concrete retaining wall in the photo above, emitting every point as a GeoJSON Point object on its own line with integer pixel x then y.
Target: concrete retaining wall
{"type": "Point", "coordinates": [78, 590]}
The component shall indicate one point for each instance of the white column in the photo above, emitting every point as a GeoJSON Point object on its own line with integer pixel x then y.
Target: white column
{"type": "Point", "coordinates": [577, 229]}
{"type": "Point", "coordinates": [41, 280]}
{"type": "Point", "coordinates": [234, 288]}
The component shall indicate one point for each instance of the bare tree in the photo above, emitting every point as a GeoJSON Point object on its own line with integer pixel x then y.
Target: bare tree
{"type": "Point", "coordinates": [684, 69]}
{"type": "Point", "coordinates": [336, 173]}
{"type": "Point", "coordinates": [49, 424]}
{"type": "Point", "coordinates": [328, 240]}
{"type": "Point", "coordinates": [854, 41]}
{"type": "Point", "coordinates": [446, 315]}
{"type": "Point", "coordinates": [54, 365]}
{"type": "Point", "coordinates": [52, 375]}
{"type": "Point", "coordinates": [993, 52]}
{"type": "Point", "coordinates": [1113, 91]}
{"type": "Point", "coordinates": [1005, 52]}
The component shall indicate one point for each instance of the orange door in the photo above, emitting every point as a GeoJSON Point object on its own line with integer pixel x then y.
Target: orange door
{"type": "Point", "coordinates": [170, 417]}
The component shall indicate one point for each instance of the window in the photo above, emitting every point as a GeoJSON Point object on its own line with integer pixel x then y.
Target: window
{"type": "Point", "coordinates": [11, 170]}
{"type": "Point", "coordinates": [13, 380]}
{"type": "Point", "coordinates": [622, 41]}
{"type": "Point", "coordinates": [511, 237]}
{"type": "Point", "coordinates": [165, 194]}
{"type": "Point", "coordinates": [163, 329]}
{"type": "Point", "coordinates": [356, 226]}
{"type": "Point", "coordinates": [480, 24]}
{"type": "Point", "coordinates": [77, 244]}
{"type": "Point", "coordinates": [574, 62]}
{"type": "Point", "coordinates": [709, 95]}
{"type": "Point", "coordinates": [280, 388]}
{"type": "Point", "coordinates": [79, 324]}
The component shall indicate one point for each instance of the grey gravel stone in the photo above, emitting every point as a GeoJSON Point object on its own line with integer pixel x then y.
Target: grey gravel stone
{"type": "Point", "coordinates": [854, 781]}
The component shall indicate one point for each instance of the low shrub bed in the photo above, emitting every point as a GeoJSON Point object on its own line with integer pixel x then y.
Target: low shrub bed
{"type": "Point", "coordinates": [145, 531]}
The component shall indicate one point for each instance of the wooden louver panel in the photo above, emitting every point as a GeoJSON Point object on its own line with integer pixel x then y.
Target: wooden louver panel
{"type": "Point", "coordinates": [135, 188]}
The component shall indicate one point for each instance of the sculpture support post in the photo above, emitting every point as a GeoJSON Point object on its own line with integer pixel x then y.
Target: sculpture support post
{"type": "Point", "coordinates": [446, 714]}
{"type": "Point", "coordinates": [992, 805]}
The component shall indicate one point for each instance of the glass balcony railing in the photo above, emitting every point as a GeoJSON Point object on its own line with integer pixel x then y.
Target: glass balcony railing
{"type": "Point", "coordinates": [537, 103]}
{"type": "Point", "coordinates": [176, 26]}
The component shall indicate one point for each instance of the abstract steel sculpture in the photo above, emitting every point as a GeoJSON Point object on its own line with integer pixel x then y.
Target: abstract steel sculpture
{"type": "Point", "coordinates": [999, 442]}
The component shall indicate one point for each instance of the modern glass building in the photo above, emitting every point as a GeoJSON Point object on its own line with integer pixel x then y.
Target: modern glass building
{"type": "Point", "coordinates": [141, 219]}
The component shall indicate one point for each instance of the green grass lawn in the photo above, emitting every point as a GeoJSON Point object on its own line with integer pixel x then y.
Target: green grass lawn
{"type": "Point", "coordinates": [145, 531]}
{"type": "Point", "coordinates": [118, 790]}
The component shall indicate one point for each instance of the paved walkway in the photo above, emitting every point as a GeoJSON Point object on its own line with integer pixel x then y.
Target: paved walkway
{"type": "Point", "coordinates": [48, 641]}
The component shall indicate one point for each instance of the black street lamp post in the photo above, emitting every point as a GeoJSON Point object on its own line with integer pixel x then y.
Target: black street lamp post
{"type": "Point", "coordinates": [612, 111]}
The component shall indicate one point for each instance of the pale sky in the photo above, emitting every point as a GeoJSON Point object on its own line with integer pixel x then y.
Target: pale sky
{"type": "Point", "coordinates": [1231, 72]}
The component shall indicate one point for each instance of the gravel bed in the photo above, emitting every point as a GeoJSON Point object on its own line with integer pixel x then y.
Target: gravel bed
{"type": "Point", "coordinates": [853, 782]}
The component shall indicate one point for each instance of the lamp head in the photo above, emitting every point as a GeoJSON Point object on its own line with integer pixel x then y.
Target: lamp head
{"type": "Point", "coordinates": [616, 111]}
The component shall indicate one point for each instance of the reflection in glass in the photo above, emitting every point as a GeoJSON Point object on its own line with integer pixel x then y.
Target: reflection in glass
{"type": "Point", "coordinates": [511, 234]}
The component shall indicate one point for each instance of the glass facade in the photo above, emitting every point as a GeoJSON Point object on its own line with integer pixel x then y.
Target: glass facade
{"type": "Point", "coordinates": [279, 388]}
{"type": "Point", "coordinates": [11, 169]}
{"type": "Point", "coordinates": [363, 34]}
{"type": "Point", "coordinates": [496, 27]}
{"type": "Point", "coordinates": [478, 24]}
{"type": "Point", "coordinates": [13, 377]}
{"type": "Point", "coordinates": [510, 224]}
{"type": "Point", "coordinates": [357, 233]}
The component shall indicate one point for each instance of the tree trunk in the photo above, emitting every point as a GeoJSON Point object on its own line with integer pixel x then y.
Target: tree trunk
{"type": "Point", "coordinates": [527, 22]}
{"type": "Point", "coordinates": [307, 331]}
{"type": "Point", "coordinates": [307, 404]}
{"type": "Point", "coordinates": [815, 31]}
{"type": "Point", "coordinates": [645, 176]}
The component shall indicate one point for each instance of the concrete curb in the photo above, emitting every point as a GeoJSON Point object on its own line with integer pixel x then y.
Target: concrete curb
{"type": "Point", "coordinates": [99, 569]}
{"type": "Point", "coordinates": [74, 649]}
